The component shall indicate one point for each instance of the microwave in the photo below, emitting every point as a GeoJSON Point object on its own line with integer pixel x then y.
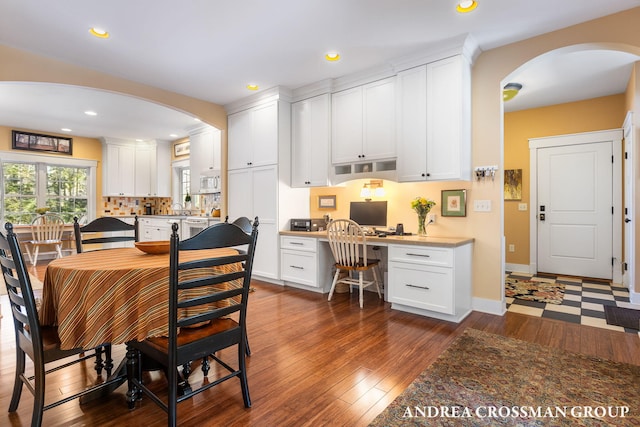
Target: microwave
{"type": "Point", "coordinates": [210, 183]}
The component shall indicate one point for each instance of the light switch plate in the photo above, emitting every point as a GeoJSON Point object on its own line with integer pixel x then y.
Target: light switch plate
{"type": "Point", "coordinates": [522, 206]}
{"type": "Point", "coordinates": [482, 205]}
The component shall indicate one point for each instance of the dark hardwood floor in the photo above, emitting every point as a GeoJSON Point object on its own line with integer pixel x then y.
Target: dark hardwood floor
{"type": "Point", "coordinates": [313, 363]}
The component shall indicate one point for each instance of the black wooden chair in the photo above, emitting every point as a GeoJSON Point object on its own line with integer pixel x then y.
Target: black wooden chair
{"type": "Point", "coordinates": [92, 235]}
{"type": "Point", "coordinates": [186, 343]}
{"type": "Point", "coordinates": [40, 343]}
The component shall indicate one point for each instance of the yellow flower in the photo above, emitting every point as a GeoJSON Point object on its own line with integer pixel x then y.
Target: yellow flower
{"type": "Point", "coordinates": [422, 205]}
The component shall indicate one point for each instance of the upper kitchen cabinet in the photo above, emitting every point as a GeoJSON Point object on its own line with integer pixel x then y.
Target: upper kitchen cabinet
{"type": "Point", "coordinates": [118, 169]}
{"type": "Point", "coordinates": [205, 158]}
{"type": "Point", "coordinates": [310, 136]}
{"type": "Point", "coordinates": [363, 123]}
{"type": "Point", "coordinates": [253, 136]}
{"type": "Point", "coordinates": [434, 118]}
{"type": "Point", "coordinates": [135, 169]}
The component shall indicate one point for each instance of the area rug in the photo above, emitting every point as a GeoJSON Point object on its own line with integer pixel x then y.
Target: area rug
{"type": "Point", "coordinates": [621, 316]}
{"type": "Point", "coordinates": [533, 290]}
{"type": "Point", "coordinates": [484, 379]}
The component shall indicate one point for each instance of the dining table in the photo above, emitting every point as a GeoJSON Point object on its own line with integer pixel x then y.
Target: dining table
{"type": "Point", "coordinates": [113, 296]}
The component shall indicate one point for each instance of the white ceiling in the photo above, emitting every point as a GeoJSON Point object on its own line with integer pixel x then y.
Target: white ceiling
{"type": "Point", "coordinates": [211, 49]}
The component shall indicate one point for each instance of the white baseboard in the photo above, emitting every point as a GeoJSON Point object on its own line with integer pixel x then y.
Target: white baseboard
{"type": "Point", "coordinates": [488, 306]}
{"type": "Point", "coordinates": [518, 268]}
{"type": "Point", "coordinates": [634, 297]}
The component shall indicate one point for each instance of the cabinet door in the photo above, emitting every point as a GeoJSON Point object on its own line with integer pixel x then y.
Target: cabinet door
{"type": "Point", "coordinates": [239, 200]}
{"type": "Point", "coordinates": [411, 119]}
{"type": "Point", "coordinates": [264, 135]}
{"type": "Point", "coordinates": [425, 287]}
{"type": "Point", "coordinates": [448, 147]}
{"type": "Point", "coordinates": [145, 168]}
{"type": "Point", "coordinates": [379, 135]}
{"type": "Point", "coordinates": [310, 142]}
{"type": "Point", "coordinates": [239, 140]}
{"type": "Point", "coordinates": [346, 124]}
{"type": "Point", "coordinates": [119, 170]}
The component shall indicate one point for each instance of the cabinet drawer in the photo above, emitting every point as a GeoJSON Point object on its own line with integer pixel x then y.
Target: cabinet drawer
{"type": "Point", "coordinates": [429, 288]}
{"type": "Point", "coordinates": [298, 243]}
{"type": "Point", "coordinates": [442, 257]}
{"type": "Point", "coordinates": [299, 267]}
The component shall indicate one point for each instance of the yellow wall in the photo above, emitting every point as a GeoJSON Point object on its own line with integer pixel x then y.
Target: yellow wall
{"type": "Point", "coordinates": [399, 196]}
{"type": "Point", "coordinates": [83, 148]}
{"type": "Point", "coordinates": [584, 116]}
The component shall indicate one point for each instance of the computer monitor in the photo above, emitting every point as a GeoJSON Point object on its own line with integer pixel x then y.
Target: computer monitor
{"type": "Point", "coordinates": [369, 214]}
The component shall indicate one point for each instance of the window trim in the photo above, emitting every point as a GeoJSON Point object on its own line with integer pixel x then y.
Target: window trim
{"type": "Point", "coordinates": [10, 156]}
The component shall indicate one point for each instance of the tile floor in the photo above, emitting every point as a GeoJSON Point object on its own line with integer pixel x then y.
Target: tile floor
{"type": "Point", "coordinates": [583, 302]}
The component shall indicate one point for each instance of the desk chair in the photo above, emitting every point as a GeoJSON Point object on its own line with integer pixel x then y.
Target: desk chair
{"type": "Point", "coordinates": [92, 234]}
{"type": "Point", "coordinates": [348, 244]}
{"type": "Point", "coordinates": [186, 341]}
{"type": "Point", "coordinates": [46, 230]}
{"type": "Point", "coordinates": [40, 343]}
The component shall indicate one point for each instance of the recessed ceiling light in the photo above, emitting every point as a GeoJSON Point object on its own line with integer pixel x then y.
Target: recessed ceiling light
{"type": "Point", "coordinates": [99, 32]}
{"type": "Point", "coordinates": [252, 86]}
{"type": "Point", "coordinates": [65, 130]}
{"type": "Point", "coordinates": [173, 135]}
{"type": "Point", "coordinates": [465, 6]}
{"type": "Point", "coordinates": [332, 56]}
{"type": "Point", "coordinates": [139, 140]}
{"type": "Point", "coordinates": [91, 113]}
{"type": "Point", "coordinates": [197, 119]}
{"type": "Point", "coordinates": [510, 91]}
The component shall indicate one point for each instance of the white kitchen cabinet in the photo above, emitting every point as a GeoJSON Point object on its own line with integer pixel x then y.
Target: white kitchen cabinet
{"type": "Point", "coordinates": [254, 192]}
{"type": "Point", "coordinates": [118, 178]}
{"type": "Point", "coordinates": [432, 281]}
{"type": "Point", "coordinates": [145, 170]}
{"type": "Point", "coordinates": [310, 136]}
{"type": "Point", "coordinates": [434, 104]}
{"type": "Point", "coordinates": [254, 136]}
{"type": "Point", "coordinates": [363, 123]}
{"type": "Point", "coordinates": [154, 229]}
{"type": "Point", "coordinates": [205, 155]}
{"type": "Point", "coordinates": [303, 263]}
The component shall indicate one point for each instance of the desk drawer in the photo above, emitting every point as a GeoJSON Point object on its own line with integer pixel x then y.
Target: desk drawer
{"type": "Point", "coordinates": [442, 257]}
{"type": "Point", "coordinates": [307, 244]}
{"type": "Point", "coordinates": [428, 288]}
{"type": "Point", "coordinates": [299, 267]}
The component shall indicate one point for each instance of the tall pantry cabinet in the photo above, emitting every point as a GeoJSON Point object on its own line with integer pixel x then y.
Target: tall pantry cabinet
{"type": "Point", "coordinates": [259, 159]}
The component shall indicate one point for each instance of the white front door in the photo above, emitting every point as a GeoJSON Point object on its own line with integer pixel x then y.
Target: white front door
{"type": "Point", "coordinates": [574, 209]}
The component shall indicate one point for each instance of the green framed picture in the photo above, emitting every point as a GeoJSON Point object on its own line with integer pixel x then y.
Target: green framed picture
{"type": "Point", "coordinates": [454, 203]}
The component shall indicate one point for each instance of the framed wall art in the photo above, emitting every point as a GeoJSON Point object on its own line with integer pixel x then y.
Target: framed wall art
{"type": "Point", "coordinates": [182, 148]}
{"type": "Point", "coordinates": [39, 142]}
{"type": "Point", "coordinates": [513, 184]}
{"type": "Point", "coordinates": [326, 202]}
{"type": "Point", "coordinates": [454, 203]}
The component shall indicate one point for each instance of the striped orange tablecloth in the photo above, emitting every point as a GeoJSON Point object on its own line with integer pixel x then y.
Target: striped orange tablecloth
{"type": "Point", "coordinates": [110, 296]}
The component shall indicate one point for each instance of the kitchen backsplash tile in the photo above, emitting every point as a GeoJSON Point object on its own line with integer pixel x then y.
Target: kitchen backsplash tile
{"type": "Point", "coordinates": [121, 206]}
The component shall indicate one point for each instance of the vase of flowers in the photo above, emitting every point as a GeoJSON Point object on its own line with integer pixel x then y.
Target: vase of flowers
{"type": "Point", "coordinates": [422, 207]}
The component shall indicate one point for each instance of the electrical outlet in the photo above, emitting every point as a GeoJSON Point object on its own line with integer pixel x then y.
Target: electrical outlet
{"type": "Point", "coordinates": [482, 205]}
{"type": "Point", "coordinates": [432, 218]}
{"type": "Point", "coordinates": [522, 206]}
{"type": "Point", "coordinates": [512, 248]}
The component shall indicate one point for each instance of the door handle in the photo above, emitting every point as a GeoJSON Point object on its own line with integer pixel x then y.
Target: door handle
{"type": "Point", "coordinates": [627, 220]}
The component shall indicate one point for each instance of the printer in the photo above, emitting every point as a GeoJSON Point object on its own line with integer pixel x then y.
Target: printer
{"type": "Point", "coordinates": [308, 224]}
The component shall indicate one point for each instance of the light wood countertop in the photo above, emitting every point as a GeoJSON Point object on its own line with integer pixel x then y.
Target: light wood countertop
{"type": "Point", "coordinates": [392, 239]}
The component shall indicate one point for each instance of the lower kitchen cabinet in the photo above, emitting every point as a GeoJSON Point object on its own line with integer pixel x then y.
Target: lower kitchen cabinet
{"type": "Point", "coordinates": [304, 263]}
{"type": "Point", "coordinates": [154, 229]}
{"type": "Point", "coordinates": [432, 281]}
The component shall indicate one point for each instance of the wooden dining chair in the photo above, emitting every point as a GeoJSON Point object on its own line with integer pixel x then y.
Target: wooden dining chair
{"type": "Point", "coordinates": [92, 235]}
{"type": "Point", "coordinates": [46, 230]}
{"type": "Point", "coordinates": [348, 243]}
{"type": "Point", "coordinates": [40, 343]}
{"type": "Point", "coordinates": [218, 298]}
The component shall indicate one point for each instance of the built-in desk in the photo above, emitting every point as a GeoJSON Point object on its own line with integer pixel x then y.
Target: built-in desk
{"type": "Point", "coordinates": [430, 276]}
